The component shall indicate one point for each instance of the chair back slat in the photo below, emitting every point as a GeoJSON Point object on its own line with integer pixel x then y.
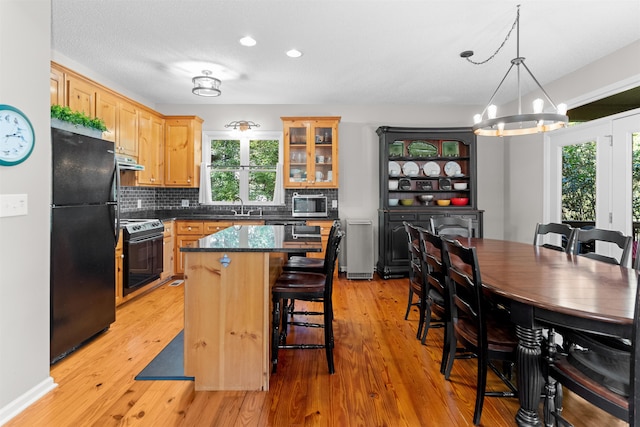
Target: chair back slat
{"type": "Point", "coordinates": [465, 283]}
{"type": "Point", "coordinates": [581, 236]}
{"type": "Point", "coordinates": [563, 230]}
{"type": "Point", "coordinates": [333, 250]}
{"type": "Point", "coordinates": [431, 248]}
{"type": "Point", "coordinates": [413, 247]}
{"type": "Point", "coordinates": [451, 226]}
{"type": "Point", "coordinates": [332, 233]}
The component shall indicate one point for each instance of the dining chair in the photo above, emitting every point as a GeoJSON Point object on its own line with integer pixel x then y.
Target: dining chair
{"type": "Point", "coordinates": [563, 231]}
{"type": "Point", "coordinates": [479, 326]}
{"type": "Point", "coordinates": [604, 372]}
{"type": "Point", "coordinates": [436, 293]}
{"type": "Point", "coordinates": [310, 287]}
{"type": "Point", "coordinates": [581, 236]}
{"type": "Point", "coordinates": [416, 279]}
{"type": "Point", "coordinates": [451, 226]}
{"type": "Point", "coordinates": [311, 265]}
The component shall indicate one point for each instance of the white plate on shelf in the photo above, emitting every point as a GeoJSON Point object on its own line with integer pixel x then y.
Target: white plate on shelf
{"type": "Point", "coordinates": [452, 169]}
{"type": "Point", "coordinates": [410, 169]}
{"type": "Point", "coordinates": [394, 169]}
{"type": "Point", "coordinates": [431, 169]}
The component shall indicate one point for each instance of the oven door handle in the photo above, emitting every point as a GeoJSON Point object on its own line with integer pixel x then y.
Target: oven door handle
{"type": "Point", "coordinates": [145, 239]}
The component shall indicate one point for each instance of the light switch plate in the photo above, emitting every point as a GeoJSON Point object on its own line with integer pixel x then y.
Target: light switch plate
{"type": "Point", "coordinates": [185, 203]}
{"type": "Point", "coordinates": [334, 204]}
{"type": "Point", "coordinates": [13, 204]}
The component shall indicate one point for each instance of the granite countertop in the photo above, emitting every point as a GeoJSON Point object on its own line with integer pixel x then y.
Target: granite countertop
{"type": "Point", "coordinates": [213, 215]}
{"type": "Point", "coordinates": [257, 238]}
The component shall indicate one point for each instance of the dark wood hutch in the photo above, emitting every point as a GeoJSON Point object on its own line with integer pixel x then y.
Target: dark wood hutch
{"type": "Point", "coordinates": [436, 163]}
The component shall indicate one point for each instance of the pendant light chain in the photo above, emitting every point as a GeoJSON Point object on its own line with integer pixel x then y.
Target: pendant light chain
{"type": "Point", "coordinates": [515, 23]}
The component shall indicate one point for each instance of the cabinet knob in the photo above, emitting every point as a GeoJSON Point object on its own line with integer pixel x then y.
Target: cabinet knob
{"type": "Point", "coordinates": [189, 228]}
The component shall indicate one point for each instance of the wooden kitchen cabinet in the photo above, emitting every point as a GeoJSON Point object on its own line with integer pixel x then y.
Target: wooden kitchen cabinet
{"type": "Point", "coordinates": [310, 152]}
{"type": "Point", "coordinates": [188, 232]}
{"type": "Point", "coordinates": [56, 86]}
{"type": "Point", "coordinates": [127, 141]}
{"type": "Point", "coordinates": [150, 149]}
{"type": "Point", "coordinates": [119, 265]}
{"type": "Point", "coordinates": [168, 263]}
{"type": "Point", "coordinates": [182, 151]}
{"type": "Point", "coordinates": [81, 95]}
{"type": "Point", "coordinates": [325, 228]}
{"type": "Point", "coordinates": [107, 110]}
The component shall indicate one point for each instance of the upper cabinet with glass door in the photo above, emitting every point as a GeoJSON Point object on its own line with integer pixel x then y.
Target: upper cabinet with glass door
{"type": "Point", "coordinates": [310, 152]}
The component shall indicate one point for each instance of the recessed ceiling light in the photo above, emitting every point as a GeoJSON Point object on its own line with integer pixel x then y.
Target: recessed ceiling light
{"type": "Point", "coordinates": [294, 53]}
{"type": "Point", "coordinates": [248, 41]}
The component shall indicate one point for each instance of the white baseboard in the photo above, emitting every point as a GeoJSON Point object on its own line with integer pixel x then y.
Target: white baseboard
{"type": "Point", "coordinates": [23, 402]}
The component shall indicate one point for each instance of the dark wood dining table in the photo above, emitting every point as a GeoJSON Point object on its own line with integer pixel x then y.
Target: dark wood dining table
{"type": "Point", "coordinates": [547, 288]}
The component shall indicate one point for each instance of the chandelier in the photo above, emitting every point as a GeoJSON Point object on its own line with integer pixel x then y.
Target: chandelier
{"type": "Point", "coordinates": [242, 125]}
{"type": "Point", "coordinates": [206, 85]}
{"type": "Point", "coordinates": [489, 124]}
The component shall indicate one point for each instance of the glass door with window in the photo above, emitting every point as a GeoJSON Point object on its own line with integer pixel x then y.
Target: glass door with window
{"type": "Point", "coordinates": [594, 176]}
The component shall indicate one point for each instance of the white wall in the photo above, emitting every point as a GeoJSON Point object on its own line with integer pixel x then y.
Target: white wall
{"type": "Point", "coordinates": [25, 27]}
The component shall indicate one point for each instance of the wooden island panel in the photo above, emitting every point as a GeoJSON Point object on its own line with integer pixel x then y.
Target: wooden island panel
{"type": "Point", "coordinates": [227, 319]}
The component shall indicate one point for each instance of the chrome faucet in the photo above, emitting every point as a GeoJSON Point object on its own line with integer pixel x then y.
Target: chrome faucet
{"type": "Point", "coordinates": [241, 206]}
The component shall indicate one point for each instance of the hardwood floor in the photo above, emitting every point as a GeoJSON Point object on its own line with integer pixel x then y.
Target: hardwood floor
{"type": "Point", "coordinates": [384, 376]}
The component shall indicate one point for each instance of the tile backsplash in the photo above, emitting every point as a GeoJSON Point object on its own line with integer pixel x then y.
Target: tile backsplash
{"type": "Point", "coordinates": [152, 198]}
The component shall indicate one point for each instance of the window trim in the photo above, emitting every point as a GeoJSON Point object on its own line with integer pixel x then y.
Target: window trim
{"type": "Point", "coordinates": [207, 136]}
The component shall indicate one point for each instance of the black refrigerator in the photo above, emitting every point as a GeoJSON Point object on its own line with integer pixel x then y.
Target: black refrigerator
{"type": "Point", "coordinates": [84, 222]}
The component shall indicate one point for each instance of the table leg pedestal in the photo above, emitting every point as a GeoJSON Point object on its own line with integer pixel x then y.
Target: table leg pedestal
{"type": "Point", "coordinates": [530, 378]}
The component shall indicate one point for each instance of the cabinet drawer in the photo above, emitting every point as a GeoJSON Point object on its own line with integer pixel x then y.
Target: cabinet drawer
{"type": "Point", "coordinates": [467, 216]}
{"type": "Point", "coordinates": [211, 227]}
{"type": "Point", "coordinates": [325, 226]}
{"type": "Point", "coordinates": [402, 216]}
{"type": "Point", "coordinates": [189, 227]}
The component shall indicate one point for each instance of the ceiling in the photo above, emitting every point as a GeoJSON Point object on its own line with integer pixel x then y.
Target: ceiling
{"type": "Point", "coordinates": [391, 52]}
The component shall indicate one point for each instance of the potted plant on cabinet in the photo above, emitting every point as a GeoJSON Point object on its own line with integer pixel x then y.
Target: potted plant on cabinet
{"type": "Point", "coordinates": [76, 121]}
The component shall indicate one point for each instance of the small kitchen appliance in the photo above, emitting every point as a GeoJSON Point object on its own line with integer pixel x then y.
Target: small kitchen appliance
{"type": "Point", "coordinates": [309, 205]}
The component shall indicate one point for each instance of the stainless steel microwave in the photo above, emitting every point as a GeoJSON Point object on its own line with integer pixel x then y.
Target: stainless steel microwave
{"type": "Point", "coordinates": [309, 205]}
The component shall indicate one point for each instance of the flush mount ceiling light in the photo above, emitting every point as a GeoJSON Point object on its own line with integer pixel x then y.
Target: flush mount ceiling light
{"type": "Point", "coordinates": [242, 125]}
{"type": "Point", "coordinates": [294, 53]}
{"type": "Point", "coordinates": [206, 85]}
{"type": "Point", "coordinates": [248, 41]}
{"type": "Point", "coordinates": [517, 124]}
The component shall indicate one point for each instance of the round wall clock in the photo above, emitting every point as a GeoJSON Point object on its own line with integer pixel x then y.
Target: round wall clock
{"type": "Point", "coordinates": [16, 136]}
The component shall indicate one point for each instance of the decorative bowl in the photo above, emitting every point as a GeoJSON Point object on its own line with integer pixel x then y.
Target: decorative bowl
{"type": "Point", "coordinates": [425, 197]}
{"type": "Point", "coordinates": [393, 202]}
{"type": "Point", "coordinates": [460, 186]}
{"type": "Point", "coordinates": [406, 202]}
{"type": "Point", "coordinates": [443, 202]}
{"type": "Point", "coordinates": [459, 201]}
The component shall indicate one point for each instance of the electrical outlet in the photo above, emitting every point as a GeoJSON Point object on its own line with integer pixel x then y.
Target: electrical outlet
{"type": "Point", "coordinates": [185, 203]}
{"type": "Point", "coordinates": [334, 204]}
{"type": "Point", "coordinates": [139, 203]}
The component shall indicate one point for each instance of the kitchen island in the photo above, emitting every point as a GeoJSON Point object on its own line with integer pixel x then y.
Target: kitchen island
{"type": "Point", "coordinates": [228, 279]}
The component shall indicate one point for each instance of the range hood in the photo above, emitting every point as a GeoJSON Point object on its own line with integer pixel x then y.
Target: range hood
{"type": "Point", "coordinates": [127, 163]}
